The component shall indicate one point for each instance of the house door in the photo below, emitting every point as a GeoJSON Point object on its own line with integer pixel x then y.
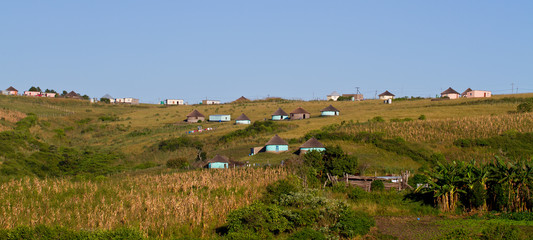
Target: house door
{"type": "Point", "coordinates": [277, 148]}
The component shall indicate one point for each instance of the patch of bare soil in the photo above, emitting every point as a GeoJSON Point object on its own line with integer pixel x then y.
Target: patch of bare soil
{"type": "Point", "coordinates": [409, 227]}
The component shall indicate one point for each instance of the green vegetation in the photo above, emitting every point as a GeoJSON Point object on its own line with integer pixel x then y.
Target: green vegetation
{"type": "Point", "coordinates": [298, 213]}
{"type": "Point", "coordinates": [61, 233]}
{"type": "Point", "coordinates": [256, 128]}
{"type": "Point", "coordinates": [124, 166]}
{"type": "Point", "coordinates": [497, 186]}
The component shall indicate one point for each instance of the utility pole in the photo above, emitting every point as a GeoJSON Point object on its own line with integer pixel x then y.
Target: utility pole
{"type": "Point", "coordinates": [512, 88]}
{"type": "Point", "coordinates": [357, 90]}
{"type": "Point", "coordinates": [376, 94]}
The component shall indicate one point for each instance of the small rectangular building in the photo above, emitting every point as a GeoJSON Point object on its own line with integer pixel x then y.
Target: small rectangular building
{"type": "Point", "coordinates": [50, 95]}
{"type": "Point", "coordinates": [132, 101]}
{"type": "Point", "coordinates": [353, 97]}
{"type": "Point", "coordinates": [173, 102]}
{"type": "Point", "coordinates": [220, 118]}
{"type": "Point", "coordinates": [32, 93]}
{"type": "Point", "coordinates": [210, 102]}
{"type": "Point", "coordinates": [477, 94]}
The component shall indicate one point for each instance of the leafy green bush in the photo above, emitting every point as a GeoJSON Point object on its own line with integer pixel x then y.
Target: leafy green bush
{"type": "Point", "coordinates": [525, 107]}
{"type": "Point", "coordinates": [177, 163]}
{"type": "Point", "coordinates": [256, 128]}
{"type": "Point", "coordinates": [174, 144]}
{"type": "Point", "coordinates": [352, 223]}
{"type": "Point", "coordinates": [264, 220]}
{"type": "Point", "coordinates": [333, 161]}
{"type": "Point", "coordinates": [281, 187]}
{"type": "Point", "coordinates": [377, 185]}
{"type": "Point", "coordinates": [357, 193]}
{"type": "Point", "coordinates": [422, 117]}
{"type": "Point", "coordinates": [307, 234]}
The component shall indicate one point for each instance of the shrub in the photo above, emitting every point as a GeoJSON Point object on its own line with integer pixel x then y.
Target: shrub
{"type": "Point", "coordinates": [377, 185]}
{"type": "Point", "coordinates": [496, 232]}
{"type": "Point", "coordinates": [264, 220]}
{"type": "Point", "coordinates": [177, 163]}
{"type": "Point", "coordinates": [357, 193]}
{"type": "Point", "coordinates": [307, 234]}
{"type": "Point", "coordinates": [180, 142]}
{"type": "Point", "coordinates": [352, 223]}
{"type": "Point", "coordinates": [525, 107]}
{"type": "Point", "coordinates": [377, 119]}
{"type": "Point", "coordinates": [422, 117]}
{"type": "Point", "coordinates": [281, 187]}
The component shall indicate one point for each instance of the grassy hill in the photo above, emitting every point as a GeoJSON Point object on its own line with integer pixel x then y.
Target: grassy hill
{"type": "Point", "coordinates": [110, 160]}
{"type": "Point", "coordinates": [133, 131]}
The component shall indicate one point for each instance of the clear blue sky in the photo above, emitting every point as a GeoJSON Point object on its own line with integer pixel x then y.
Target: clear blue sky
{"type": "Point", "coordinates": [155, 50]}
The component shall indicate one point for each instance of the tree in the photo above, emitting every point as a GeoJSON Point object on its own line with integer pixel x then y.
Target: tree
{"type": "Point", "coordinates": [35, 89]}
{"type": "Point", "coordinates": [333, 161]}
{"type": "Point", "coordinates": [105, 100]}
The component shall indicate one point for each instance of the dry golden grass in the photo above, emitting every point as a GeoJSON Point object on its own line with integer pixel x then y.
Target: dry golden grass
{"type": "Point", "coordinates": [448, 130]}
{"type": "Point", "coordinates": [160, 205]}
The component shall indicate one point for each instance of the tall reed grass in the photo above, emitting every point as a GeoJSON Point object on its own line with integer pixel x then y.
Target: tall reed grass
{"type": "Point", "coordinates": [160, 205]}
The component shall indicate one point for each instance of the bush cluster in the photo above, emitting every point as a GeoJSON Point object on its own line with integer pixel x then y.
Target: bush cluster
{"type": "Point", "coordinates": [299, 213]}
{"type": "Point", "coordinates": [258, 127]}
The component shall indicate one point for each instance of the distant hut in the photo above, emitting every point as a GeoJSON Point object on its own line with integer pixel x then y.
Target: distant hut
{"type": "Point", "coordinates": [312, 145]}
{"type": "Point", "coordinates": [386, 95]}
{"type": "Point", "coordinates": [300, 113]}
{"type": "Point", "coordinates": [243, 119]}
{"type": "Point", "coordinates": [217, 162]}
{"type": "Point", "coordinates": [466, 92]}
{"type": "Point", "coordinates": [450, 93]}
{"type": "Point", "coordinates": [11, 91]}
{"type": "Point", "coordinates": [241, 99]}
{"type": "Point", "coordinates": [333, 96]}
{"type": "Point", "coordinates": [329, 111]}
{"type": "Point", "coordinates": [195, 116]}
{"type": "Point", "coordinates": [276, 144]}
{"type": "Point", "coordinates": [73, 94]}
{"type": "Point", "coordinates": [279, 115]}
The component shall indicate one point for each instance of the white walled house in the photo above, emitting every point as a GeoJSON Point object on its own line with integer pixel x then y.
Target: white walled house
{"type": "Point", "coordinates": [210, 102]}
{"type": "Point", "coordinates": [132, 101]}
{"type": "Point", "coordinates": [50, 95]}
{"type": "Point", "coordinates": [32, 93]}
{"type": "Point", "coordinates": [174, 102]}
{"type": "Point", "coordinates": [333, 96]}
{"type": "Point", "coordinates": [469, 93]}
{"type": "Point", "coordinates": [386, 95]}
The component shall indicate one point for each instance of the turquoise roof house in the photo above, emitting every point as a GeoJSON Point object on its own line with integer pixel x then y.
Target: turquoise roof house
{"type": "Point", "coordinates": [218, 162]}
{"type": "Point", "coordinates": [243, 119]}
{"type": "Point", "coordinates": [276, 145]}
{"type": "Point", "coordinates": [279, 115]}
{"type": "Point", "coordinates": [219, 118]}
{"type": "Point", "coordinates": [312, 145]}
{"type": "Point", "coordinates": [329, 111]}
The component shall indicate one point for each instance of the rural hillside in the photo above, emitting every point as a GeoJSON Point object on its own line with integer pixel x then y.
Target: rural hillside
{"type": "Point", "coordinates": [78, 167]}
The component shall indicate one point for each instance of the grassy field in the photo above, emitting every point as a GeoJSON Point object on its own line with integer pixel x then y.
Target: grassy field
{"type": "Point", "coordinates": [134, 130]}
{"type": "Point", "coordinates": [112, 174]}
{"type": "Point", "coordinates": [160, 204]}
